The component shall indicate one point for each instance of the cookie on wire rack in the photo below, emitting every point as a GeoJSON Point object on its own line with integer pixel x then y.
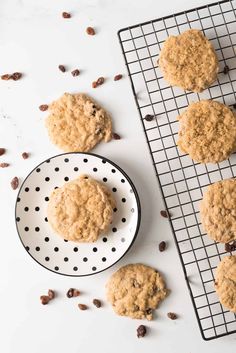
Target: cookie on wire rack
{"type": "Point", "coordinates": [225, 282]}
{"type": "Point", "coordinates": [189, 61]}
{"type": "Point", "coordinates": [207, 131]}
{"type": "Point", "coordinates": [218, 211]}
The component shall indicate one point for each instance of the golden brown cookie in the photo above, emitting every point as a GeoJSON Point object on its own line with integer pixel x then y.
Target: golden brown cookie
{"type": "Point", "coordinates": [136, 290]}
{"type": "Point", "coordinates": [76, 123]}
{"type": "Point", "coordinates": [225, 282]}
{"type": "Point", "coordinates": [207, 131]}
{"type": "Point", "coordinates": [189, 61]}
{"type": "Point", "coordinates": [218, 211]}
{"type": "Point", "coordinates": [81, 210]}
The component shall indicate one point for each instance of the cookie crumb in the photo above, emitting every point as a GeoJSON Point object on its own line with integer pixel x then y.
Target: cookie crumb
{"type": "Point", "coordinates": [82, 306]}
{"type": "Point", "coordinates": [118, 77]}
{"type": "Point", "coordinates": [2, 151]}
{"type": "Point", "coordinates": [66, 15]}
{"type": "Point", "coordinates": [62, 68]}
{"type": "Point", "coordinates": [116, 136]}
{"type": "Point", "coordinates": [94, 84]}
{"type": "Point", "coordinates": [149, 117]}
{"type": "Point", "coordinates": [75, 72]}
{"type": "Point", "coordinates": [141, 331]}
{"type": "Point", "coordinates": [97, 303]}
{"type": "Point", "coordinates": [25, 155]}
{"type": "Point", "coordinates": [51, 294]}
{"type": "Point", "coordinates": [72, 292]}
{"type": "Point", "coordinates": [43, 107]}
{"type": "Point", "coordinates": [45, 299]}
{"type": "Point", "coordinates": [172, 316]}
{"type": "Point", "coordinates": [162, 246]}
{"type": "Point", "coordinates": [90, 31]}
{"type": "Point", "coordinates": [4, 165]}
{"type": "Point", "coordinates": [165, 214]}
{"type": "Point", "coordinates": [226, 69]}
{"type": "Point", "coordinates": [15, 183]}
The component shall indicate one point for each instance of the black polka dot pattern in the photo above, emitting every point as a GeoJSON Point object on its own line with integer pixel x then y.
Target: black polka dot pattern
{"type": "Point", "coordinates": [61, 255]}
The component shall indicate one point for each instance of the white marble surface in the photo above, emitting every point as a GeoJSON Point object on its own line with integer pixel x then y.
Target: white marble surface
{"type": "Point", "coordinates": [34, 39]}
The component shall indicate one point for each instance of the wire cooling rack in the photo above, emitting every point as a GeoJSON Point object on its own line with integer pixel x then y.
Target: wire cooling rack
{"type": "Point", "coordinates": [183, 181]}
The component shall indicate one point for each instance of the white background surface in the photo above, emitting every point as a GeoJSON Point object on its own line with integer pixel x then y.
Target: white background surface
{"type": "Point", "coordinates": [34, 39]}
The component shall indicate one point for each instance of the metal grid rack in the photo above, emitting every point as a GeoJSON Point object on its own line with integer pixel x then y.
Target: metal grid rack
{"type": "Point", "coordinates": [183, 181]}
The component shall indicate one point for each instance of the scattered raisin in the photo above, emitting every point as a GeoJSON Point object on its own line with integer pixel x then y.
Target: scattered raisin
{"type": "Point", "coordinates": [94, 84]}
{"type": "Point", "coordinates": [25, 155]}
{"type": "Point", "coordinates": [75, 72]}
{"type": "Point", "coordinates": [44, 299]}
{"type": "Point", "coordinates": [16, 76]}
{"type": "Point", "coordinates": [43, 107]}
{"type": "Point", "coordinates": [51, 294]}
{"type": "Point", "coordinates": [230, 247]}
{"type": "Point", "coordinates": [97, 303]}
{"type": "Point", "coordinates": [6, 77]}
{"type": "Point", "coordinates": [149, 117]}
{"type": "Point", "coordinates": [118, 77]}
{"type": "Point", "coordinates": [4, 165]}
{"type": "Point", "coordinates": [141, 331]}
{"type": "Point", "coordinates": [172, 316]}
{"type": "Point", "coordinates": [82, 306]}
{"type": "Point", "coordinates": [90, 31]}
{"type": "Point", "coordinates": [15, 183]}
{"type": "Point", "coordinates": [116, 136]}
{"type": "Point", "coordinates": [2, 151]}
{"type": "Point", "coordinates": [226, 69]}
{"type": "Point", "coordinates": [62, 68]}
{"type": "Point", "coordinates": [165, 214]}
{"type": "Point", "coordinates": [100, 81]}
{"type": "Point", "coordinates": [66, 15]}
{"type": "Point", "coordinates": [72, 292]}
{"type": "Point", "coordinates": [162, 246]}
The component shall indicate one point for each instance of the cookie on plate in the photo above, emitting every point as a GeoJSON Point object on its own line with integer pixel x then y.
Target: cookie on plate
{"type": "Point", "coordinates": [225, 282]}
{"type": "Point", "coordinates": [81, 210]}
{"type": "Point", "coordinates": [135, 290]}
{"type": "Point", "coordinates": [76, 123]}
{"type": "Point", "coordinates": [218, 211]}
{"type": "Point", "coordinates": [189, 61]}
{"type": "Point", "coordinates": [207, 131]}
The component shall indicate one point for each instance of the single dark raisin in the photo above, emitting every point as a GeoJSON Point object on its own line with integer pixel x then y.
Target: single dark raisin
{"type": "Point", "coordinates": [165, 214]}
{"type": "Point", "coordinates": [118, 77]}
{"type": "Point", "coordinates": [141, 331]}
{"type": "Point", "coordinates": [82, 306]}
{"type": "Point", "coordinates": [97, 303]}
{"type": "Point", "coordinates": [149, 117]}
{"type": "Point", "coordinates": [172, 316]}
{"type": "Point", "coordinates": [90, 31]}
{"type": "Point", "coordinates": [162, 246]}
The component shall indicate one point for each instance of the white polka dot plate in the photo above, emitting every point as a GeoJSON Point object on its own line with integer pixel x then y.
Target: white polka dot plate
{"type": "Point", "coordinates": [66, 257]}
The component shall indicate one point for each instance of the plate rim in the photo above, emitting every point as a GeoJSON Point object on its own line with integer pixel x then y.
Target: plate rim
{"type": "Point", "coordinates": [136, 198]}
